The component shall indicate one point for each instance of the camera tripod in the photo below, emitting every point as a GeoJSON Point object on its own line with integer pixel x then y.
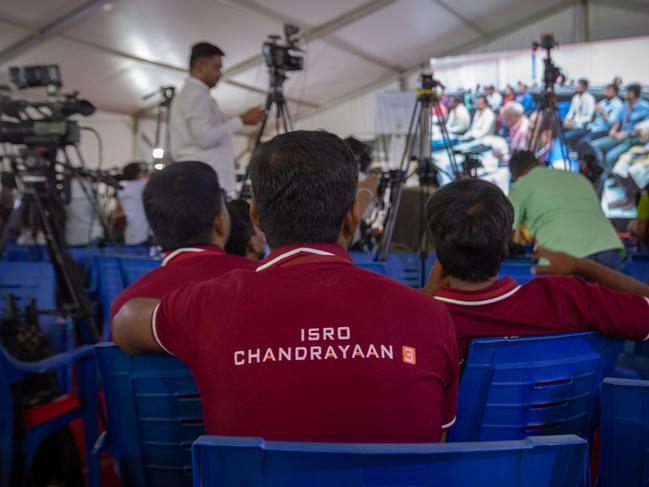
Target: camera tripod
{"type": "Point", "coordinates": [37, 192]}
{"type": "Point", "coordinates": [274, 97]}
{"type": "Point", "coordinates": [427, 102]}
{"type": "Point", "coordinates": [547, 122]}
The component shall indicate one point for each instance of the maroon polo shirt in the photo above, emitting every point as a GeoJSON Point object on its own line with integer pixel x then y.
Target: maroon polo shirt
{"type": "Point", "coordinates": [184, 265]}
{"type": "Point", "coordinates": [311, 348]}
{"type": "Point", "coordinates": [545, 305]}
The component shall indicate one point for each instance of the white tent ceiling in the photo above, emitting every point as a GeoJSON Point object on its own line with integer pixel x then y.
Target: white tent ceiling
{"type": "Point", "coordinates": [115, 52]}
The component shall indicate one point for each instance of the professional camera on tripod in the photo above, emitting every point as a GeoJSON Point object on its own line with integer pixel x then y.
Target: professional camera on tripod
{"type": "Point", "coordinates": [279, 59]}
{"type": "Point", "coordinates": [547, 122]}
{"type": "Point", "coordinates": [43, 132]}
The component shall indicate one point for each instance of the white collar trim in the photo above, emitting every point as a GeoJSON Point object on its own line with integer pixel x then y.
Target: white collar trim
{"type": "Point", "coordinates": [478, 303]}
{"type": "Point", "coordinates": [169, 257]}
{"type": "Point", "coordinates": [283, 256]}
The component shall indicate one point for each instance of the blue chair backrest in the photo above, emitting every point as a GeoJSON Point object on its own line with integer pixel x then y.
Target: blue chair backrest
{"type": "Point", "coordinates": [518, 269]}
{"type": "Point", "coordinates": [400, 266]}
{"type": "Point", "coordinates": [512, 388]}
{"type": "Point", "coordinates": [27, 280]}
{"type": "Point", "coordinates": [564, 107]}
{"type": "Point", "coordinates": [624, 457]}
{"type": "Point", "coordinates": [154, 415]}
{"type": "Point", "coordinates": [246, 462]}
{"type": "Point", "coordinates": [638, 269]}
{"type": "Point", "coordinates": [114, 273]}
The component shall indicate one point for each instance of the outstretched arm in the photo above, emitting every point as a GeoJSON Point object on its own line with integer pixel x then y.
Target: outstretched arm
{"type": "Point", "coordinates": [562, 263]}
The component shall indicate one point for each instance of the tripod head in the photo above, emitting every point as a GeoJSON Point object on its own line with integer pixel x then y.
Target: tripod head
{"type": "Point", "coordinates": [551, 72]}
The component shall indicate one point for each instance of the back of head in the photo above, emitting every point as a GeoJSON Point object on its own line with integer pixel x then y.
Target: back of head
{"type": "Point", "coordinates": [470, 221]}
{"type": "Point", "coordinates": [361, 152]}
{"type": "Point", "coordinates": [522, 161]}
{"type": "Point", "coordinates": [634, 88]}
{"type": "Point", "coordinates": [132, 170]}
{"type": "Point", "coordinates": [181, 202]}
{"type": "Point", "coordinates": [584, 82]}
{"type": "Point", "coordinates": [241, 228]}
{"type": "Point", "coordinates": [202, 50]}
{"type": "Point", "coordinates": [304, 183]}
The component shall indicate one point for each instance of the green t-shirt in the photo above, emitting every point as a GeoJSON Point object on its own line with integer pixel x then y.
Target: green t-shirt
{"type": "Point", "coordinates": [643, 207]}
{"type": "Point", "coordinates": [563, 213]}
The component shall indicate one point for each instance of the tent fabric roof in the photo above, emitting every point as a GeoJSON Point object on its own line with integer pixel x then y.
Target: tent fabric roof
{"type": "Point", "coordinates": [116, 52]}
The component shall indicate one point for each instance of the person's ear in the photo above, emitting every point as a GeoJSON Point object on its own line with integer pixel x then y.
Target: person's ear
{"type": "Point", "coordinates": [254, 217]}
{"type": "Point", "coordinates": [222, 222]}
{"type": "Point", "coordinates": [350, 223]}
{"type": "Point", "coordinates": [256, 244]}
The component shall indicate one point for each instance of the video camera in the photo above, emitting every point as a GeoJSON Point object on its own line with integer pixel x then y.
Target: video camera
{"type": "Point", "coordinates": [278, 57]}
{"type": "Point", "coordinates": [551, 72]}
{"type": "Point", "coordinates": [52, 128]}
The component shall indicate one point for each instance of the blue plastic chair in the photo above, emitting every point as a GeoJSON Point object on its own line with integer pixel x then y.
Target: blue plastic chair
{"type": "Point", "coordinates": [624, 455]}
{"type": "Point", "coordinates": [518, 269]}
{"type": "Point", "coordinates": [114, 274]}
{"type": "Point", "coordinates": [400, 266]}
{"type": "Point", "coordinates": [47, 418]}
{"type": "Point", "coordinates": [153, 415]}
{"type": "Point", "coordinates": [512, 388]}
{"type": "Point", "coordinates": [246, 462]}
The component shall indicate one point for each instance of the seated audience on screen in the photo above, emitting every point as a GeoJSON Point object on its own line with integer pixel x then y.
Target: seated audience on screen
{"type": "Point", "coordinates": [518, 126]}
{"type": "Point", "coordinates": [245, 239]}
{"type": "Point", "coordinates": [470, 221]}
{"type": "Point", "coordinates": [562, 211]}
{"type": "Point", "coordinates": [606, 112]}
{"type": "Point", "coordinates": [580, 114]}
{"type": "Point", "coordinates": [622, 135]}
{"type": "Point", "coordinates": [459, 119]}
{"type": "Point", "coordinates": [484, 120]}
{"type": "Point", "coordinates": [525, 98]}
{"type": "Point", "coordinates": [185, 206]}
{"type": "Point", "coordinates": [494, 99]}
{"type": "Point", "coordinates": [307, 331]}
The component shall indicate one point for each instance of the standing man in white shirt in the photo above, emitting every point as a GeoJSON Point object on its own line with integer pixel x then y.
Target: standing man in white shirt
{"type": "Point", "coordinates": [484, 120]}
{"type": "Point", "coordinates": [198, 129]}
{"type": "Point", "coordinates": [580, 114]}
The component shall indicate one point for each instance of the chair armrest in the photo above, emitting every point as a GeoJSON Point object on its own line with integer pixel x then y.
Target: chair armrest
{"type": "Point", "coordinates": [22, 368]}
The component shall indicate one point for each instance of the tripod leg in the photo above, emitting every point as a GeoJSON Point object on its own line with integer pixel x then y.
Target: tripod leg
{"type": "Point", "coordinates": [12, 222]}
{"type": "Point", "coordinates": [64, 264]}
{"type": "Point", "coordinates": [447, 139]}
{"type": "Point", "coordinates": [391, 219]}
{"type": "Point", "coordinates": [288, 121]}
{"type": "Point", "coordinates": [260, 133]}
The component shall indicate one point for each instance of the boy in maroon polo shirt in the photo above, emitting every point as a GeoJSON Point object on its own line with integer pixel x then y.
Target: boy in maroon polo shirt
{"type": "Point", "coordinates": [307, 347]}
{"type": "Point", "coordinates": [470, 221]}
{"type": "Point", "coordinates": [189, 219]}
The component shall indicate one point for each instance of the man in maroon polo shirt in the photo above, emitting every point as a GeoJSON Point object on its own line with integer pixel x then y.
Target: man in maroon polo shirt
{"type": "Point", "coordinates": [307, 347]}
{"type": "Point", "coordinates": [189, 219]}
{"type": "Point", "coordinates": [470, 221]}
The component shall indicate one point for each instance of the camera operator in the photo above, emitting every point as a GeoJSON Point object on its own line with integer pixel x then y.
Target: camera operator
{"type": "Point", "coordinates": [137, 231]}
{"type": "Point", "coordinates": [198, 129]}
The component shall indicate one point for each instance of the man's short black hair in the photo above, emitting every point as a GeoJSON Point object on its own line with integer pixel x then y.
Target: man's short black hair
{"type": "Point", "coordinates": [361, 151]}
{"type": "Point", "coordinates": [181, 202]}
{"type": "Point", "coordinates": [635, 88]}
{"type": "Point", "coordinates": [132, 170]}
{"type": "Point", "coordinates": [520, 161]}
{"type": "Point", "coordinates": [304, 184]}
{"type": "Point", "coordinates": [241, 228]}
{"type": "Point", "coordinates": [614, 87]}
{"type": "Point", "coordinates": [583, 81]}
{"type": "Point", "coordinates": [203, 50]}
{"type": "Point", "coordinates": [470, 221]}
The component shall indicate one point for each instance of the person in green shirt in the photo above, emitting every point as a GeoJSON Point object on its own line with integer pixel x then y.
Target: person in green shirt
{"type": "Point", "coordinates": [640, 227]}
{"type": "Point", "coordinates": [562, 212]}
